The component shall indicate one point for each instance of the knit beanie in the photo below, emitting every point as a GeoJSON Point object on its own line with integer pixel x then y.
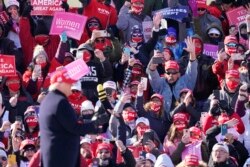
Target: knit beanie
{"type": "Point", "coordinates": [39, 50]}
{"type": "Point", "coordinates": [87, 105]}
{"type": "Point", "coordinates": [9, 3]}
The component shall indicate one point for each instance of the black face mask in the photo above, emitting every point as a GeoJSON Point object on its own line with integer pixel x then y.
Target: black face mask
{"type": "Point", "coordinates": [244, 36]}
{"type": "Point", "coordinates": [214, 41]}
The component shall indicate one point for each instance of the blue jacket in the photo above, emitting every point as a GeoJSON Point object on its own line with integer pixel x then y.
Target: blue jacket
{"type": "Point", "coordinates": [161, 86]}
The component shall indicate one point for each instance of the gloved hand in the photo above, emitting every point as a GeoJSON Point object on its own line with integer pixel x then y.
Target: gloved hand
{"type": "Point", "coordinates": [63, 37]}
{"type": "Point", "coordinates": [65, 6]}
{"type": "Point", "coordinates": [27, 9]}
{"type": "Point", "coordinates": [243, 93]}
{"type": "Point", "coordinates": [101, 92]}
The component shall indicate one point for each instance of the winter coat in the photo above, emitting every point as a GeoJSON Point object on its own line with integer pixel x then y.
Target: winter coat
{"type": "Point", "coordinates": [160, 124]}
{"type": "Point", "coordinates": [127, 20]}
{"type": "Point", "coordinates": [28, 42]}
{"type": "Point", "coordinates": [236, 149]}
{"type": "Point", "coordinates": [43, 82]}
{"type": "Point", "coordinates": [161, 86]}
{"type": "Point", "coordinates": [206, 81]}
{"type": "Point", "coordinates": [106, 14]}
{"type": "Point", "coordinates": [203, 22]}
{"type": "Point", "coordinates": [210, 121]}
{"type": "Point", "coordinates": [244, 113]}
{"type": "Point", "coordinates": [219, 69]}
{"type": "Point", "coordinates": [202, 153]}
{"type": "Point", "coordinates": [59, 129]}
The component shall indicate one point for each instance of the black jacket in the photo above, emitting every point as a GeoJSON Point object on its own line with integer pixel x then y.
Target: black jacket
{"type": "Point", "coordinates": [206, 80]}
{"type": "Point", "coordinates": [236, 149]}
{"type": "Point", "coordinates": [60, 131]}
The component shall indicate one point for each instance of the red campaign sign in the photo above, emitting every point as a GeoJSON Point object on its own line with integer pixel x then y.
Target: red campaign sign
{"type": "Point", "coordinates": [135, 151]}
{"type": "Point", "coordinates": [236, 16]}
{"type": "Point", "coordinates": [46, 7]}
{"type": "Point", "coordinates": [4, 17]}
{"type": "Point", "coordinates": [7, 65]}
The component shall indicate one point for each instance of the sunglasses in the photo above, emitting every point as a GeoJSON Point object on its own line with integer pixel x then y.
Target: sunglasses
{"type": "Point", "coordinates": [214, 35]}
{"type": "Point", "coordinates": [100, 40]}
{"type": "Point", "coordinates": [3, 158]}
{"type": "Point", "coordinates": [201, 9]}
{"type": "Point", "coordinates": [234, 45]}
{"type": "Point", "coordinates": [30, 149]}
{"type": "Point", "coordinates": [137, 35]}
{"type": "Point", "coordinates": [173, 72]}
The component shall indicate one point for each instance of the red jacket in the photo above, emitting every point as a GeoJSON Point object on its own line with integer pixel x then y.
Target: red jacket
{"type": "Point", "coordinates": [77, 103]}
{"type": "Point", "coordinates": [28, 42]}
{"type": "Point", "coordinates": [210, 121]}
{"type": "Point", "coordinates": [106, 14]}
{"type": "Point", "coordinates": [34, 87]}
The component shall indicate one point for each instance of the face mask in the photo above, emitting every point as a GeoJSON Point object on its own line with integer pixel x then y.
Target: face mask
{"type": "Point", "coordinates": [141, 130]}
{"type": "Point", "coordinates": [170, 40]}
{"type": "Point", "coordinates": [244, 36]}
{"type": "Point", "coordinates": [32, 121]}
{"type": "Point", "coordinates": [214, 40]}
{"type": "Point", "coordinates": [198, 50]}
{"type": "Point", "coordinates": [136, 71]}
{"type": "Point", "coordinates": [129, 116]}
{"type": "Point", "coordinates": [232, 84]}
{"type": "Point", "coordinates": [75, 95]}
{"type": "Point", "coordinates": [136, 9]}
{"type": "Point", "coordinates": [43, 64]}
{"type": "Point", "coordinates": [180, 127]}
{"type": "Point", "coordinates": [86, 57]}
{"type": "Point", "coordinates": [100, 46]}
{"type": "Point", "coordinates": [14, 87]}
{"type": "Point", "coordinates": [231, 50]}
{"type": "Point", "coordinates": [155, 107]}
{"type": "Point", "coordinates": [42, 39]}
{"type": "Point", "coordinates": [137, 39]}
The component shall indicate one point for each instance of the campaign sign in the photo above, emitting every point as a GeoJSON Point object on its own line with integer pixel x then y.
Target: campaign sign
{"type": "Point", "coordinates": [77, 69]}
{"type": "Point", "coordinates": [147, 29]}
{"type": "Point", "coordinates": [4, 17]}
{"type": "Point", "coordinates": [177, 13]}
{"type": "Point", "coordinates": [210, 50]}
{"type": "Point", "coordinates": [72, 24]}
{"type": "Point", "coordinates": [7, 65]}
{"type": "Point", "coordinates": [193, 6]}
{"type": "Point", "coordinates": [46, 7]}
{"type": "Point", "coordinates": [237, 16]}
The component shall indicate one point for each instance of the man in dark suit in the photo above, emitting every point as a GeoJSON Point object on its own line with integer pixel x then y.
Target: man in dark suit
{"type": "Point", "coordinates": [59, 126]}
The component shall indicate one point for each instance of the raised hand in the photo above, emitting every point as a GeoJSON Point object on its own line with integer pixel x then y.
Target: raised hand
{"type": "Point", "coordinates": [190, 47]}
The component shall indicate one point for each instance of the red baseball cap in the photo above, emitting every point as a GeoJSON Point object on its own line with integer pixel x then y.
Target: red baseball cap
{"type": "Point", "coordinates": [134, 1]}
{"type": "Point", "coordinates": [230, 39]}
{"type": "Point", "coordinates": [191, 160]}
{"type": "Point", "coordinates": [180, 117]}
{"type": "Point", "coordinates": [171, 65]}
{"type": "Point", "coordinates": [201, 4]}
{"type": "Point", "coordinates": [27, 142]}
{"type": "Point", "coordinates": [158, 96]}
{"type": "Point", "coordinates": [233, 74]}
{"type": "Point", "coordinates": [61, 75]}
{"type": "Point", "coordinates": [105, 146]}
